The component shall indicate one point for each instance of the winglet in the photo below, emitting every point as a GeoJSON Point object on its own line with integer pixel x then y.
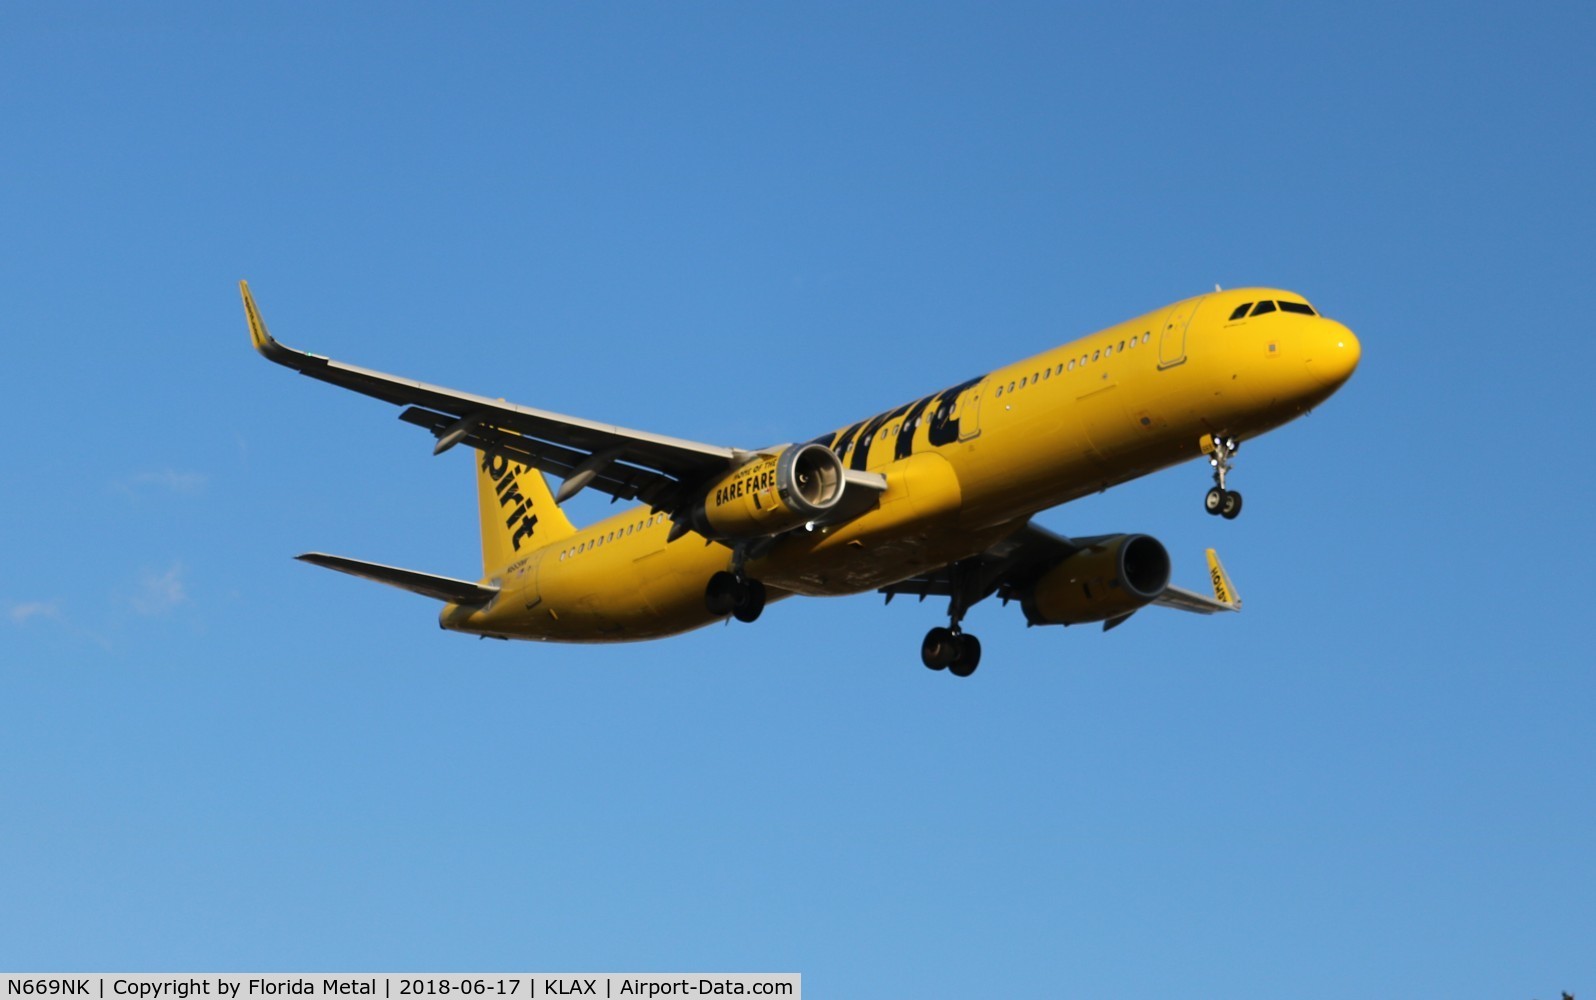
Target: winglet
{"type": "Point", "coordinates": [258, 334]}
{"type": "Point", "coordinates": [1224, 590]}
{"type": "Point", "coordinates": [264, 342]}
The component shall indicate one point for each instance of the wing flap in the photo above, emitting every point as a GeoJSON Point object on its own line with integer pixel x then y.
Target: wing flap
{"type": "Point", "coordinates": [440, 588]}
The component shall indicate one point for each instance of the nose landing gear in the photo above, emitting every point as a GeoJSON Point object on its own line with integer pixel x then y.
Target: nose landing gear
{"type": "Point", "coordinates": [1221, 453]}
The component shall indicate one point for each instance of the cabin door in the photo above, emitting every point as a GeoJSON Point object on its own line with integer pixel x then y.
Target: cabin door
{"type": "Point", "coordinates": [970, 415]}
{"type": "Point", "coordinates": [1172, 338]}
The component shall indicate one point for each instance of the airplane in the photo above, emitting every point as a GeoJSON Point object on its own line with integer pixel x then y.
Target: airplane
{"type": "Point", "coordinates": [933, 497]}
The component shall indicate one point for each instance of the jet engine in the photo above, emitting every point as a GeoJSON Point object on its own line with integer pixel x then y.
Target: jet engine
{"type": "Point", "coordinates": [771, 494]}
{"type": "Point", "coordinates": [1110, 577]}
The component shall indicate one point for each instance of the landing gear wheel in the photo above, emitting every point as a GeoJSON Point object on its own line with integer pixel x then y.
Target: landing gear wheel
{"type": "Point", "coordinates": [1221, 452]}
{"type": "Point", "coordinates": [1214, 502]}
{"type": "Point", "coordinates": [720, 595]}
{"type": "Point", "coordinates": [969, 656]}
{"type": "Point", "coordinates": [939, 648]}
{"type": "Point", "coordinates": [1231, 507]}
{"type": "Point", "coordinates": [750, 601]}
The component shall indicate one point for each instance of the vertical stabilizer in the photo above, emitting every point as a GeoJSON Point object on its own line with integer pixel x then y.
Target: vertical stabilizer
{"type": "Point", "coordinates": [518, 511]}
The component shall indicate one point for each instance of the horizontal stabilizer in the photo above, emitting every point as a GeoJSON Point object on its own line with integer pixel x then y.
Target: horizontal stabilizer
{"type": "Point", "coordinates": [439, 588]}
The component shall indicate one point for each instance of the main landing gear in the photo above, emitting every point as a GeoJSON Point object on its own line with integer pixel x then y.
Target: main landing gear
{"type": "Point", "coordinates": [1220, 501]}
{"type": "Point", "coordinates": [730, 594]}
{"type": "Point", "coordinates": [951, 648]}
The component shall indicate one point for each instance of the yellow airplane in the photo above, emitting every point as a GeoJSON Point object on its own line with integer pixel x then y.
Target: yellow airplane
{"type": "Point", "coordinates": [933, 497]}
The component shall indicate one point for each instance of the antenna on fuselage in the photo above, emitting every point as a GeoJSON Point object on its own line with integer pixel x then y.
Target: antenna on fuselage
{"type": "Point", "coordinates": [1217, 288]}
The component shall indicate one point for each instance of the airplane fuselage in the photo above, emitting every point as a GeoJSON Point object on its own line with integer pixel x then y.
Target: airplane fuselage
{"type": "Point", "coordinates": [964, 468]}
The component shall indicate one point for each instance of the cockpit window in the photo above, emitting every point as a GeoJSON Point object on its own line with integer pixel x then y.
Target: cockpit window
{"type": "Point", "coordinates": [1302, 308]}
{"type": "Point", "coordinates": [1263, 307]}
{"type": "Point", "coordinates": [1241, 310]}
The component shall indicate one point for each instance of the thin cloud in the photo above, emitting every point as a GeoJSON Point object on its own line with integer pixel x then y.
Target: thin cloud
{"type": "Point", "coordinates": [24, 611]}
{"type": "Point", "coordinates": [159, 593]}
{"type": "Point", "coordinates": [171, 480]}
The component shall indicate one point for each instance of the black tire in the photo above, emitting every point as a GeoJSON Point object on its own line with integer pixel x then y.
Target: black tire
{"type": "Point", "coordinates": [1214, 500]}
{"type": "Point", "coordinates": [969, 656]}
{"type": "Point", "coordinates": [1231, 508]}
{"type": "Point", "coordinates": [939, 648]}
{"type": "Point", "coordinates": [750, 601]}
{"type": "Point", "coordinates": [720, 594]}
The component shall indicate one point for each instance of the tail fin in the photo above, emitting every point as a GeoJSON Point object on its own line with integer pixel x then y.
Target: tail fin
{"type": "Point", "coordinates": [518, 511]}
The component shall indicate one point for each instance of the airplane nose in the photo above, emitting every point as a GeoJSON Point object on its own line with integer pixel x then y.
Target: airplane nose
{"type": "Point", "coordinates": [1334, 355]}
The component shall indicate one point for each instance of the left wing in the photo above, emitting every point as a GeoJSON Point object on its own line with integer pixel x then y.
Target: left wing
{"type": "Point", "coordinates": [1011, 566]}
{"type": "Point", "coordinates": [626, 464]}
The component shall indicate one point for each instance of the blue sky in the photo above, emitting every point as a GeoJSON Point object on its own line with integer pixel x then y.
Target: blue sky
{"type": "Point", "coordinates": [752, 223]}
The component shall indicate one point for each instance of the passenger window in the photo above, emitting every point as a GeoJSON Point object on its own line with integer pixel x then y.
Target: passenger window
{"type": "Point", "coordinates": [1011, 386]}
{"type": "Point", "coordinates": [1241, 311]}
{"type": "Point", "coordinates": [1263, 307]}
{"type": "Point", "coordinates": [1033, 378]}
{"type": "Point", "coordinates": [1122, 345]}
{"type": "Point", "coordinates": [1108, 351]}
{"type": "Point", "coordinates": [1000, 391]}
{"type": "Point", "coordinates": [1096, 355]}
{"type": "Point", "coordinates": [1060, 370]}
{"type": "Point", "coordinates": [1047, 373]}
{"type": "Point", "coordinates": [1145, 336]}
{"type": "Point", "coordinates": [1301, 308]}
{"type": "Point", "coordinates": [1072, 364]}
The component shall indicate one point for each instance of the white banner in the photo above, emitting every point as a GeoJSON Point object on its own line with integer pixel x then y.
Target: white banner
{"type": "Point", "coordinates": [398, 986]}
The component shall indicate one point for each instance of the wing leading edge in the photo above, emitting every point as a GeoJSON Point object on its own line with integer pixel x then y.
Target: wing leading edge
{"type": "Point", "coordinates": [627, 464]}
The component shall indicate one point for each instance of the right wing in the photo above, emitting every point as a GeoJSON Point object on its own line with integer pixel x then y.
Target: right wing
{"type": "Point", "coordinates": [1224, 598]}
{"type": "Point", "coordinates": [1009, 567]}
{"type": "Point", "coordinates": [626, 464]}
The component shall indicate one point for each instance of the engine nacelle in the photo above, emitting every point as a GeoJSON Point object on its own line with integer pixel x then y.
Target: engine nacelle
{"type": "Point", "coordinates": [1111, 577]}
{"type": "Point", "coordinates": [771, 495]}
